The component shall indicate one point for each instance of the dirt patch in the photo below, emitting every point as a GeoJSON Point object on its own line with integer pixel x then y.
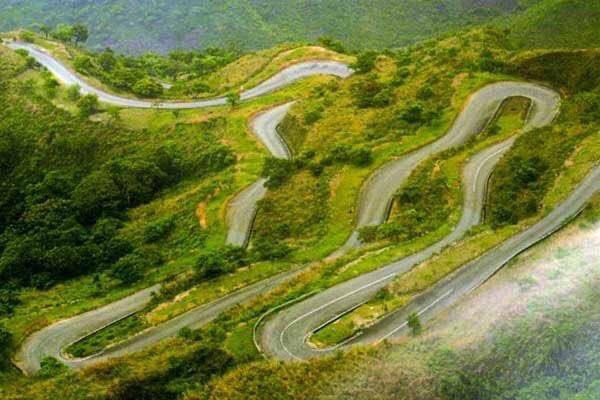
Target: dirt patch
{"type": "Point", "coordinates": [201, 215]}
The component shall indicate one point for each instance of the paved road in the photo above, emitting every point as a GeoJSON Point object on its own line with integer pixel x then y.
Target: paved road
{"type": "Point", "coordinates": [277, 81]}
{"type": "Point", "coordinates": [51, 340]}
{"type": "Point", "coordinates": [241, 210]}
{"type": "Point", "coordinates": [377, 193]}
{"type": "Point", "coordinates": [374, 203]}
{"type": "Point", "coordinates": [285, 335]}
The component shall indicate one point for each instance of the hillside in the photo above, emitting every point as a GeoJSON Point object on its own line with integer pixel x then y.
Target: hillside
{"type": "Point", "coordinates": [556, 24]}
{"type": "Point", "coordinates": [141, 25]}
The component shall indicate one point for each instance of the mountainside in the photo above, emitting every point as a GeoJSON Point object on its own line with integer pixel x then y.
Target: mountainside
{"type": "Point", "coordinates": [557, 23]}
{"type": "Point", "coordinates": [159, 25]}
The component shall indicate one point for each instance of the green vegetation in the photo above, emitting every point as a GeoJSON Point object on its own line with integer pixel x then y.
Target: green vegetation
{"type": "Point", "coordinates": [98, 202]}
{"type": "Point", "coordinates": [97, 342]}
{"type": "Point", "coordinates": [257, 24]}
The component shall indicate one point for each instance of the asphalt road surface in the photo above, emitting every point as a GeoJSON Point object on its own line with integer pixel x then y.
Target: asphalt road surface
{"type": "Point", "coordinates": [277, 81]}
{"type": "Point", "coordinates": [286, 335]}
{"type": "Point", "coordinates": [241, 211]}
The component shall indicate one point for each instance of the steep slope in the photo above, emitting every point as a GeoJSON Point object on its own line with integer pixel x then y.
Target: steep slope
{"type": "Point", "coordinates": [138, 25]}
{"type": "Point", "coordinates": [557, 24]}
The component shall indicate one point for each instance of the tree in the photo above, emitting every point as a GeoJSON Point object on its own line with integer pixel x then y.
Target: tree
{"type": "Point", "coordinates": [414, 324]}
{"type": "Point", "coordinates": [233, 99]}
{"type": "Point", "coordinates": [63, 32]}
{"type": "Point", "coordinates": [148, 87]}
{"type": "Point", "coordinates": [73, 92]}
{"type": "Point", "coordinates": [365, 62]}
{"type": "Point", "coordinates": [88, 105]}
{"type": "Point", "coordinates": [129, 269]}
{"type": "Point", "coordinates": [5, 344]}
{"type": "Point", "coordinates": [45, 29]}
{"type": "Point", "coordinates": [80, 33]}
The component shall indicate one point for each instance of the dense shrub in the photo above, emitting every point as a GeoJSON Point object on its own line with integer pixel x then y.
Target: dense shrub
{"type": "Point", "coordinates": [522, 178]}
{"type": "Point", "coordinates": [220, 261]}
{"type": "Point", "coordinates": [5, 346]}
{"type": "Point", "coordinates": [369, 92]}
{"type": "Point", "coordinates": [147, 87]}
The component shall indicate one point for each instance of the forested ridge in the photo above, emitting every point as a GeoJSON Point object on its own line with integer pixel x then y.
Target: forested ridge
{"type": "Point", "coordinates": [141, 25]}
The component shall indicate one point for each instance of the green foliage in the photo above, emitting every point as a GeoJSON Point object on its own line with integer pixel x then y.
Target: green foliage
{"type": "Point", "coordinates": [573, 71]}
{"type": "Point", "coordinates": [294, 132]}
{"type": "Point", "coordinates": [80, 33]}
{"type": "Point", "coordinates": [50, 367]}
{"type": "Point", "coordinates": [129, 269]}
{"type": "Point", "coordinates": [180, 374]}
{"type": "Point", "coordinates": [233, 98]}
{"type": "Point", "coordinates": [143, 75]}
{"type": "Point", "coordinates": [347, 154]}
{"type": "Point", "coordinates": [421, 206]}
{"type": "Point", "coordinates": [158, 230]}
{"type": "Point", "coordinates": [5, 346]}
{"type": "Point", "coordinates": [414, 324]}
{"type": "Point", "coordinates": [27, 36]}
{"type": "Point", "coordinates": [521, 179]}
{"type": "Point", "coordinates": [362, 24]}
{"type": "Point", "coordinates": [278, 171]}
{"type": "Point", "coordinates": [365, 62]}
{"type": "Point", "coordinates": [73, 92]}
{"type": "Point", "coordinates": [220, 261]}
{"type": "Point", "coordinates": [147, 87]}
{"type": "Point", "coordinates": [369, 92]}
{"type": "Point", "coordinates": [88, 105]}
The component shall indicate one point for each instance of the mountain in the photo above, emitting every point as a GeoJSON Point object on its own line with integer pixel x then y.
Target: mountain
{"type": "Point", "coordinates": [556, 24]}
{"type": "Point", "coordinates": [160, 25]}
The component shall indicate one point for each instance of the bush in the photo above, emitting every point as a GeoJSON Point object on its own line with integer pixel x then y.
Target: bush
{"type": "Point", "coordinates": [267, 249]}
{"type": "Point", "coordinates": [5, 346]}
{"type": "Point", "coordinates": [74, 92]}
{"type": "Point", "coordinates": [365, 62]}
{"type": "Point", "coordinates": [88, 105]}
{"type": "Point", "coordinates": [368, 92]}
{"type": "Point", "coordinates": [343, 153]}
{"type": "Point", "coordinates": [129, 269]}
{"type": "Point", "coordinates": [148, 87]}
{"type": "Point", "coordinates": [50, 367]}
{"type": "Point", "coordinates": [414, 324]}
{"type": "Point", "coordinates": [158, 230]}
{"type": "Point", "coordinates": [221, 261]}
{"type": "Point", "coordinates": [27, 36]}
{"type": "Point", "coordinates": [277, 171]}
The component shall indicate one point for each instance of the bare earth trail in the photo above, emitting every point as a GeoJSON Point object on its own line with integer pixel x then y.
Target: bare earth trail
{"type": "Point", "coordinates": [374, 203]}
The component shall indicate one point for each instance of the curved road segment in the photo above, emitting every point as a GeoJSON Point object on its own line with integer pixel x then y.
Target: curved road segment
{"type": "Point", "coordinates": [277, 81]}
{"type": "Point", "coordinates": [242, 209]}
{"type": "Point", "coordinates": [377, 193]}
{"type": "Point", "coordinates": [51, 340]}
{"type": "Point", "coordinates": [286, 335]}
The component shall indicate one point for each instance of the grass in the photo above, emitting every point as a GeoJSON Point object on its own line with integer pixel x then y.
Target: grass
{"type": "Point", "coordinates": [507, 123]}
{"type": "Point", "coordinates": [118, 331]}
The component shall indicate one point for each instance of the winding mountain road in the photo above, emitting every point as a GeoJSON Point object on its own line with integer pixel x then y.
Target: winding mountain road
{"type": "Point", "coordinates": [242, 209]}
{"type": "Point", "coordinates": [52, 340]}
{"type": "Point", "coordinates": [283, 78]}
{"type": "Point", "coordinates": [285, 334]}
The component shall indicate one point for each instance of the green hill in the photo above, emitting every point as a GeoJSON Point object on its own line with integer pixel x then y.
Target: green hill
{"type": "Point", "coordinates": [556, 24]}
{"type": "Point", "coordinates": [140, 25]}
